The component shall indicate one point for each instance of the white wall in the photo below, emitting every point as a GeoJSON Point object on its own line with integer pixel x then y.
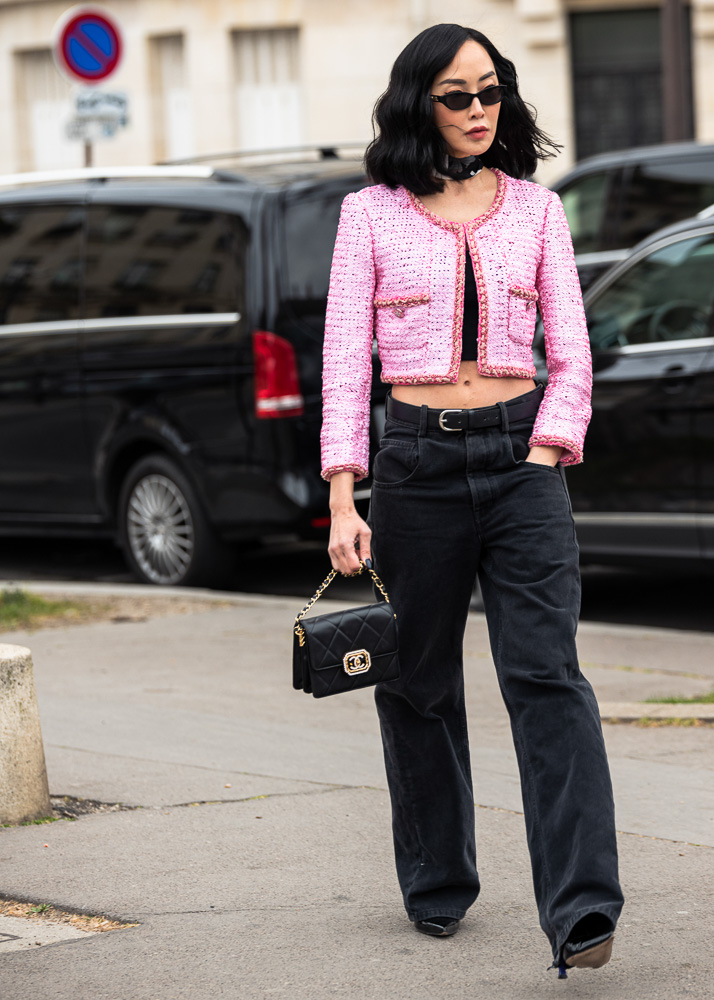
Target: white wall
{"type": "Point", "coordinates": [268, 98]}
{"type": "Point", "coordinates": [44, 105]}
{"type": "Point", "coordinates": [172, 106]}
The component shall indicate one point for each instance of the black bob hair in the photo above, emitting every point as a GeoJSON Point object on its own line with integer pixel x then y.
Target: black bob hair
{"type": "Point", "coordinates": [409, 146]}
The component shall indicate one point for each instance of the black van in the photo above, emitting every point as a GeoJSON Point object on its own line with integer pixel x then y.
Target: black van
{"type": "Point", "coordinates": [160, 356]}
{"type": "Point", "coordinates": [616, 199]}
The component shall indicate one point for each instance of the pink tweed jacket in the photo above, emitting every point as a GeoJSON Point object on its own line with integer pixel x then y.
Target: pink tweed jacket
{"type": "Point", "coordinates": [398, 273]}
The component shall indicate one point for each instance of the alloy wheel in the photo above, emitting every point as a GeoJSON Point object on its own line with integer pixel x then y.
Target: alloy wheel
{"type": "Point", "coordinates": [160, 529]}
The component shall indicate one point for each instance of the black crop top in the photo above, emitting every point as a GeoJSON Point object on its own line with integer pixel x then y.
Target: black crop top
{"type": "Point", "coordinates": [469, 334]}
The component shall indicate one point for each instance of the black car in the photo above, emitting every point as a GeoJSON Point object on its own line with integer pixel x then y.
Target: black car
{"type": "Point", "coordinates": [615, 200]}
{"type": "Point", "coordinates": [646, 488]}
{"type": "Point", "coordinates": [160, 356]}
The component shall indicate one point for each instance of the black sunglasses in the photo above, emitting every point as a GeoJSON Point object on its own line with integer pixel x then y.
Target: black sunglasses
{"type": "Point", "coordinates": [459, 100]}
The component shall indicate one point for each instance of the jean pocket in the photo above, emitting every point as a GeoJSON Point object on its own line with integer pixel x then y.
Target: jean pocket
{"type": "Point", "coordinates": [396, 462]}
{"type": "Point", "coordinates": [541, 465]}
{"type": "Point", "coordinates": [517, 440]}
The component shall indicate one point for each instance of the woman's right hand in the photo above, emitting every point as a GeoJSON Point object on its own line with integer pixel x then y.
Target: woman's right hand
{"type": "Point", "coordinates": [350, 538]}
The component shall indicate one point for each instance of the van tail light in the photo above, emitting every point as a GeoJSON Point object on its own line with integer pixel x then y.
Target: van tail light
{"type": "Point", "coordinates": [277, 389]}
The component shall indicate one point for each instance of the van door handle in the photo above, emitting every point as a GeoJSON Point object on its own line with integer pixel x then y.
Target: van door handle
{"type": "Point", "coordinates": [673, 379]}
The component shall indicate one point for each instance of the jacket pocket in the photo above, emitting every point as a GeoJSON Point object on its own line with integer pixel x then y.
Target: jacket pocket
{"type": "Point", "coordinates": [522, 313]}
{"type": "Point", "coordinates": [401, 323]}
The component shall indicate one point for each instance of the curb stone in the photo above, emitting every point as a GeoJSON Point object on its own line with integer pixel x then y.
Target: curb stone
{"type": "Point", "coordinates": [632, 711]}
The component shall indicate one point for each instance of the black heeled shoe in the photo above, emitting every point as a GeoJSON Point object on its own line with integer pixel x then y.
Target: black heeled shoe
{"type": "Point", "coordinates": [589, 945]}
{"type": "Point", "coordinates": [438, 926]}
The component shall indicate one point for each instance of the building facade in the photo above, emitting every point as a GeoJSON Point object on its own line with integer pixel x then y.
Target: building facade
{"type": "Point", "coordinates": [210, 76]}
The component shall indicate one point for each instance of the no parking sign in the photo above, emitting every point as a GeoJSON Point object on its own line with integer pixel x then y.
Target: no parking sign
{"type": "Point", "coordinates": [88, 47]}
{"type": "Point", "coordinates": [87, 44]}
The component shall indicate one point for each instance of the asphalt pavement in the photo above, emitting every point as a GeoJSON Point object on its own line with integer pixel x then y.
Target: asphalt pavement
{"type": "Point", "coordinates": [253, 849]}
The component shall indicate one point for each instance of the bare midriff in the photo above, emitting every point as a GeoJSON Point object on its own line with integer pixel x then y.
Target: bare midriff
{"type": "Point", "coordinates": [472, 389]}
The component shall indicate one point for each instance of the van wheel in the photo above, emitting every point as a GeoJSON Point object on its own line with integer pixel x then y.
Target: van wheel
{"type": "Point", "coordinates": [166, 537]}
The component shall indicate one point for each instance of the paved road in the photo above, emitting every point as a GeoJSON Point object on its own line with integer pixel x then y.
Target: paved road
{"type": "Point", "coordinates": [663, 598]}
{"type": "Point", "coordinates": [259, 864]}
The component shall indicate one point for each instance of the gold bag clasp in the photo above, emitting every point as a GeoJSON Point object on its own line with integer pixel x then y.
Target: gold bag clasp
{"type": "Point", "coordinates": [358, 661]}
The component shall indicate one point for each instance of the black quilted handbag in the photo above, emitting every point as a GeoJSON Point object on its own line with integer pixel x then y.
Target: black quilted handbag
{"type": "Point", "coordinates": [344, 650]}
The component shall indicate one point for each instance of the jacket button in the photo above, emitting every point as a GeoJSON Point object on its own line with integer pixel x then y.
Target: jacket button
{"type": "Point", "coordinates": [398, 311]}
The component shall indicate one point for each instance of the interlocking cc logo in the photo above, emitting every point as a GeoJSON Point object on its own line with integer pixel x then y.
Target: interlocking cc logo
{"type": "Point", "coordinates": [357, 662]}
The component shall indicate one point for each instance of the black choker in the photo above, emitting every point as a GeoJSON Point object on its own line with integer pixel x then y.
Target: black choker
{"type": "Point", "coordinates": [459, 168]}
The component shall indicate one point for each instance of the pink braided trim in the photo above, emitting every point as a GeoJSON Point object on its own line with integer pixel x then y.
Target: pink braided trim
{"type": "Point", "coordinates": [482, 295]}
{"type": "Point", "coordinates": [415, 379]}
{"type": "Point", "coordinates": [331, 470]}
{"type": "Point", "coordinates": [456, 227]}
{"type": "Point", "coordinates": [523, 292]}
{"type": "Point", "coordinates": [498, 371]}
{"type": "Point", "coordinates": [431, 216]}
{"type": "Point", "coordinates": [494, 370]}
{"type": "Point", "coordinates": [544, 440]}
{"type": "Point", "coordinates": [402, 300]}
{"type": "Point", "coordinates": [458, 322]}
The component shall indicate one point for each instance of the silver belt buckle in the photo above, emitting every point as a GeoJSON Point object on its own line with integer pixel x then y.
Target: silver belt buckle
{"type": "Point", "coordinates": [441, 421]}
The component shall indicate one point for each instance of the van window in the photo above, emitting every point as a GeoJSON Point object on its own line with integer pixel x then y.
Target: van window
{"type": "Point", "coordinates": [144, 260]}
{"type": "Point", "coordinates": [310, 226]}
{"type": "Point", "coordinates": [40, 262]}
{"type": "Point", "coordinates": [665, 296]}
{"type": "Point", "coordinates": [658, 194]}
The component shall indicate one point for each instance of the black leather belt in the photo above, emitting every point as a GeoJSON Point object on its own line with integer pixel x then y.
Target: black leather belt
{"type": "Point", "coordinates": [459, 420]}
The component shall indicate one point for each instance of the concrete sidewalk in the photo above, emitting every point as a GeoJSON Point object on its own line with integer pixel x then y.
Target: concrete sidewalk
{"type": "Point", "coordinates": [260, 861]}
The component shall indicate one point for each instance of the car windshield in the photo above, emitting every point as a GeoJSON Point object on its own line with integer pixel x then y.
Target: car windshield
{"type": "Point", "coordinates": [584, 203]}
{"type": "Point", "coordinates": [667, 295]}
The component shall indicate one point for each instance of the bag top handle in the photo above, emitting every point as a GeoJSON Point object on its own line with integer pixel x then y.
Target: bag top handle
{"type": "Point", "coordinates": [299, 630]}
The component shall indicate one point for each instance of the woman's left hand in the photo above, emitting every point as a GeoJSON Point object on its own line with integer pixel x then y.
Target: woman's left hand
{"type": "Point", "coordinates": [544, 455]}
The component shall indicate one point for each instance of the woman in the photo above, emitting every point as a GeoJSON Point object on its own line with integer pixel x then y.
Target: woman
{"type": "Point", "coordinates": [444, 259]}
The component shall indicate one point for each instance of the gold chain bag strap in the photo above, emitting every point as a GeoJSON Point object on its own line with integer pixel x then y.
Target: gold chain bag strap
{"type": "Point", "coordinates": [344, 650]}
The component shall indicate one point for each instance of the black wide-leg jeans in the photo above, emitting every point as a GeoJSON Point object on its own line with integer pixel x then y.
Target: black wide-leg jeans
{"type": "Point", "coordinates": [447, 506]}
